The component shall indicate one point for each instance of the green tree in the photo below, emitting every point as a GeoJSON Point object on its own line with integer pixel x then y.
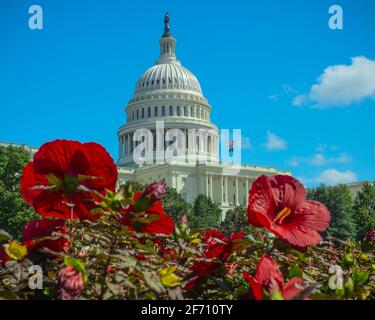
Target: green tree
{"type": "Point", "coordinates": [175, 206]}
{"type": "Point", "coordinates": [207, 213]}
{"type": "Point", "coordinates": [364, 210]}
{"type": "Point", "coordinates": [235, 220]}
{"type": "Point", "coordinates": [339, 202]}
{"type": "Point", "coordinates": [14, 211]}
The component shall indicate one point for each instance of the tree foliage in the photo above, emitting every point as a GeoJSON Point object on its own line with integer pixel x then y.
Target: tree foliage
{"type": "Point", "coordinates": [339, 202]}
{"type": "Point", "coordinates": [14, 211]}
{"type": "Point", "coordinates": [235, 220]}
{"type": "Point", "coordinates": [175, 206]}
{"type": "Point", "coordinates": [364, 210]}
{"type": "Point", "coordinates": [207, 213]}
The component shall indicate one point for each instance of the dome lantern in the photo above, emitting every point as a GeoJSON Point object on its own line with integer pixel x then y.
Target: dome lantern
{"type": "Point", "coordinates": [167, 45]}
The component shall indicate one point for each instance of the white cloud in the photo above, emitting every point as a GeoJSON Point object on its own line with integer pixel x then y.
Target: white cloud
{"type": "Point", "coordinates": [341, 85]}
{"type": "Point", "coordinates": [319, 159]}
{"type": "Point", "coordinates": [274, 142]}
{"type": "Point", "coordinates": [333, 177]}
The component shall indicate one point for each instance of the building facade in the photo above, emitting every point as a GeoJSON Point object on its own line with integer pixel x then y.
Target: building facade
{"type": "Point", "coordinates": [169, 94]}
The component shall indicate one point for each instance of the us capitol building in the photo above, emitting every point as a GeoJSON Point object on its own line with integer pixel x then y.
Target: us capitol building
{"type": "Point", "coordinates": [170, 93]}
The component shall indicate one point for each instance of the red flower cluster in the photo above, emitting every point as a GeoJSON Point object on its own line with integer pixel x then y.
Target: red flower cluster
{"type": "Point", "coordinates": [59, 181]}
{"type": "Point", "coordinates": [279, 204]}
{"type": "Point", "coordinates": [46, 233]}
{"type": "Point", "coordinates": [153, 220]}
{"type": "Point", "coordinates": [270, 279]}
{"type": "Point", "coordinates": [218, 250]}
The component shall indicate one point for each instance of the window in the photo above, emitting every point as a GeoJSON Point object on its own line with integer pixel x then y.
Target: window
{"type": "Point", "coordinates": [149, 112]}
{"type": "Point", "coordinates": [152, 82]}
{"type": "Point", "coordinates": [178, 111]}
{"type": "Point", "coordinates": [170, 110]}
{"type": "Point", "coordinates": [143, 84]}
{"type": "Point", "coordinates": [163, 81]}
{"type": "Point", "coordinates": [143, 113]}
{"type": "Point", "coordinates": [156, 111]}
{"type": "Point", "coordinates": [169, 80]}
{"type": "Point", "coordinates": [191, 112]}
{"type": "Point", "coordinates": [185, 112]}
{"type": "Point", "coordinates": [133, 115]}
{"type": "Point", "coordinates": [147, 83]}
{"type": "Point", "coordinates": [158, 81]}
{"type": "Point", "coordinates": [234, 184]}
{"type": "Point", "coordinates": [137, 113]}
{"type": "Point", "coordinates": [163, 111]}
{"type": "Point", "coordinates": [183, 179]}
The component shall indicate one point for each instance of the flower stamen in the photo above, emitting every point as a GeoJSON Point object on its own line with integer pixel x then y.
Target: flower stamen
{"type": "Point", "coordinates": [282, 215]}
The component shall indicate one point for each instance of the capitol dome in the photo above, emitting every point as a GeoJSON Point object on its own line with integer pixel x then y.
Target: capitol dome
{"type": "Point", "coordinates": [170, 93]}
{"type": "Point", "coordinates": [170, 76]}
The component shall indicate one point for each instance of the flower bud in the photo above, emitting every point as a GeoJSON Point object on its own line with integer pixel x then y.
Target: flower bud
{"type": "Point", "coordinates": [370, 237]}
{"type": "Point", "coordinates": [69, 283]}
{"type": "Point", "coordinates": [152, 193]}
{"type": "Point", "coordinates": [184, 220]}
{"type": "Point", "coordinates": [155, 190]}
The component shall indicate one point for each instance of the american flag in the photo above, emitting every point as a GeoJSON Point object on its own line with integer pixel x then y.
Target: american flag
{"type": "Point", "coordinates": [231, 146]}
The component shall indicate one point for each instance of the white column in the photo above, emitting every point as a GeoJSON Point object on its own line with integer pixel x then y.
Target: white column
{"type": "Point", "coordinates": [237, 200]}
{"type": "Point", "coordinates": [222, 188]}
{"type": "Point", "coordinates": [226, 189]}
{"type": "Point", "coordinates": [207, 182]}
{"type": "Point", "coordinates": [119, 147]}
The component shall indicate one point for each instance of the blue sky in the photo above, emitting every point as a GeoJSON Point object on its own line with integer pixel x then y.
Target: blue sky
{"type": "Point", "coordinates": [258, 63]}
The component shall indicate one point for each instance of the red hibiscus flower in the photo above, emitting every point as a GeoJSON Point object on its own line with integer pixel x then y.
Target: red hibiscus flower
{"type": "Point", "coordinates": [218, 245]}
{"type": "Point", "coordinates": [46, 234]}
{"type": "Point", "coordinates": [153, 220]}
{"type": "Point", "coordinates": [62, 176]}
{"type": "Point", "coordinates": [279, 204]}
{"type": "Point", "coordinates": [218, 249]}
{"type": "Point", "coordinates": [270, 279]}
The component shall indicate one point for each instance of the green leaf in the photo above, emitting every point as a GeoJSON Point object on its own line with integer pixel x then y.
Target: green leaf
{"type": "Point", "coordinates": [78, 265]}
{"type": "Point", "coordinates": [298, 254]}
{"type": "Point", "coordinates": [294, 271]}
{"type": "Point", "coordinates": [360, 278]}
{"type": "Point", "coordinates": [5, 236]}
